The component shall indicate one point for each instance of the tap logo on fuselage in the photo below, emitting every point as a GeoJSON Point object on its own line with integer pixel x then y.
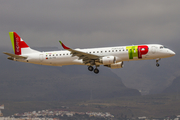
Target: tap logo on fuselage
{"type": "Point", "coordinates": [137, 51]}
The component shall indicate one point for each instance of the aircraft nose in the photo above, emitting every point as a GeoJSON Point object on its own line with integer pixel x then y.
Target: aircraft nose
{"type": "Point", "coordinates": [172, 53]}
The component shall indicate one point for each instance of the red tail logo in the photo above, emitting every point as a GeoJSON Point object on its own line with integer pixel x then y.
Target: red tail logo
{"type": "Point", "coordinates": [18, 44]}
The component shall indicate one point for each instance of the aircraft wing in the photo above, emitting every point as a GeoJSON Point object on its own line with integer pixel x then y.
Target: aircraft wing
{"type": "Point", "coordinates": [14, 56]}
{"type": "Point", "coordinates": [86, 57]}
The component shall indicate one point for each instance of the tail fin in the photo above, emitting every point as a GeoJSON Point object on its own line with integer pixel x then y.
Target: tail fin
{"type": "Point", "coordinates": [19, 46]}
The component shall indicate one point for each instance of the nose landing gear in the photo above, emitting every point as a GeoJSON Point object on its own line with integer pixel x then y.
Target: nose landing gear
{"type": "Point", "coordinates": [157, 64]}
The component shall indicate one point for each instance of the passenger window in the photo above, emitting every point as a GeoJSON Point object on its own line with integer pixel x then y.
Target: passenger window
{"type": "Point", "coordinates": [116, 50]}
{"type": "Point", "coordinates": [59, 54]}
{"type": "Point", "coordinates": [101, 51]}
{"type": "Point", "coordinates": [109, 51]}
{"type": "Point", "coordinates": [56, 54]}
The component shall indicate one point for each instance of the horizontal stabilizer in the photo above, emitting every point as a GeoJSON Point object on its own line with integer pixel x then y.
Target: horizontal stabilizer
{"type": "Point", "coordinates": [15, 56]}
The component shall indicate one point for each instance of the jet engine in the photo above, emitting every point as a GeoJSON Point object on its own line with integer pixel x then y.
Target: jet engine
{"type": "Point", "coordinates": [108, 60]}
{"type": "Point", "coordinates": [115, 65]}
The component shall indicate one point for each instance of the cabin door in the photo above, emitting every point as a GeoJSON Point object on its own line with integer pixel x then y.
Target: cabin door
{"type": "Point", "coordinates": [41, 57]}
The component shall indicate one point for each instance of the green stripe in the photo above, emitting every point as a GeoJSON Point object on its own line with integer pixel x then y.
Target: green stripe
{"type": "Point", "coordinates": [135, 51]}
{"type": "Point", "coordinates": [60, 42]}
{"type": "Point", "coordinates": [132, 51]}
{"type": "Point", "coordinates": [11, 35]}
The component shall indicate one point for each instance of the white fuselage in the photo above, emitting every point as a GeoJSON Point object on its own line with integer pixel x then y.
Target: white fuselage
{"type": "Point", "coordinates": [121, 53]}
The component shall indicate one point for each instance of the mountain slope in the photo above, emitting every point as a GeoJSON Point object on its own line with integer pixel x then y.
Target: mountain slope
{"type": "Point", "coordinates": [145, 76]}
{"type": "Point", "coordinates": [22, 81]}
{"type": "Point", "coordinates": [174, 87]}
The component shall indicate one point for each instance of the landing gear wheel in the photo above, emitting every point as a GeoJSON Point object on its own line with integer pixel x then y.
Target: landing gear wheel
{"type": "Point", "coordinates": [90, 68]}
{"type": "Point", "coordinates": [96, 71]}
{"type": "Point", "coordinates": [157, 60]}
{"type": "Point", "coordinates": [157, 64]}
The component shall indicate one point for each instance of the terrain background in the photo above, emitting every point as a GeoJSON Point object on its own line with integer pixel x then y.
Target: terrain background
{"type": "Point", "coordinates": [29, 87]}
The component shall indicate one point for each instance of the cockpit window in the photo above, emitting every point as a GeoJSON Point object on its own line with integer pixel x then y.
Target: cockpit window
{"type": "Point", "coordinates": [161, 47]}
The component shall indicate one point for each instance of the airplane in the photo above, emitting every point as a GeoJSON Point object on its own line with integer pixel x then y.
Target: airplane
{"type": "Point", "coordinates": [112, 57]}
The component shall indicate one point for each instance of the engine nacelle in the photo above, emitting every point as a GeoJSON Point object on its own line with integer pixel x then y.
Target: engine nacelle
{"type": "Point", "coordinates": [108, 60]}
{"type": "Point", "coordinates": [115, 65]}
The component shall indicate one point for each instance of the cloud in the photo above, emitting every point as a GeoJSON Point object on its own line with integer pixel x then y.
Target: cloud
{"type": "Point", "coordinates": [90, 23]}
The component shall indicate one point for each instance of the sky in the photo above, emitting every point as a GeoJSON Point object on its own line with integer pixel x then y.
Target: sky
{"type": "Point", "coordinates": [90, 23]}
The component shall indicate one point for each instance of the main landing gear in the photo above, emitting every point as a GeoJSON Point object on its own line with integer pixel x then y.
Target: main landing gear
{"type": "Point", "coordinates": [157, 64]}
{"type": "Point", "coordinates": [90, 68]}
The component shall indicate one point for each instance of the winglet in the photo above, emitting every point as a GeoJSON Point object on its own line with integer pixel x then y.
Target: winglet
{"type": "Point", "coordinates": [64, 45]}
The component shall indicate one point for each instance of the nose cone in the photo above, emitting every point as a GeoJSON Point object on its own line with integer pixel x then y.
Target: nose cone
{"type": "Point", "coordinates": [171, 53]}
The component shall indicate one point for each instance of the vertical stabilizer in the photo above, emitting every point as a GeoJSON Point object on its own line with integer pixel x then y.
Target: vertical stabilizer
{"type": "Point", "coordinates": [19, 46]}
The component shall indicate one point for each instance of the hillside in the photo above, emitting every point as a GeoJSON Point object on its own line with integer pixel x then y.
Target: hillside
{"type": "Point", "coordinates": [174, 87]}
{"type": "Point", "coordinates": [145, 76]}
{"type": "Point", "coordinates": [152, 106]}
{"type": "Point", "coordinates": [26, 82]}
